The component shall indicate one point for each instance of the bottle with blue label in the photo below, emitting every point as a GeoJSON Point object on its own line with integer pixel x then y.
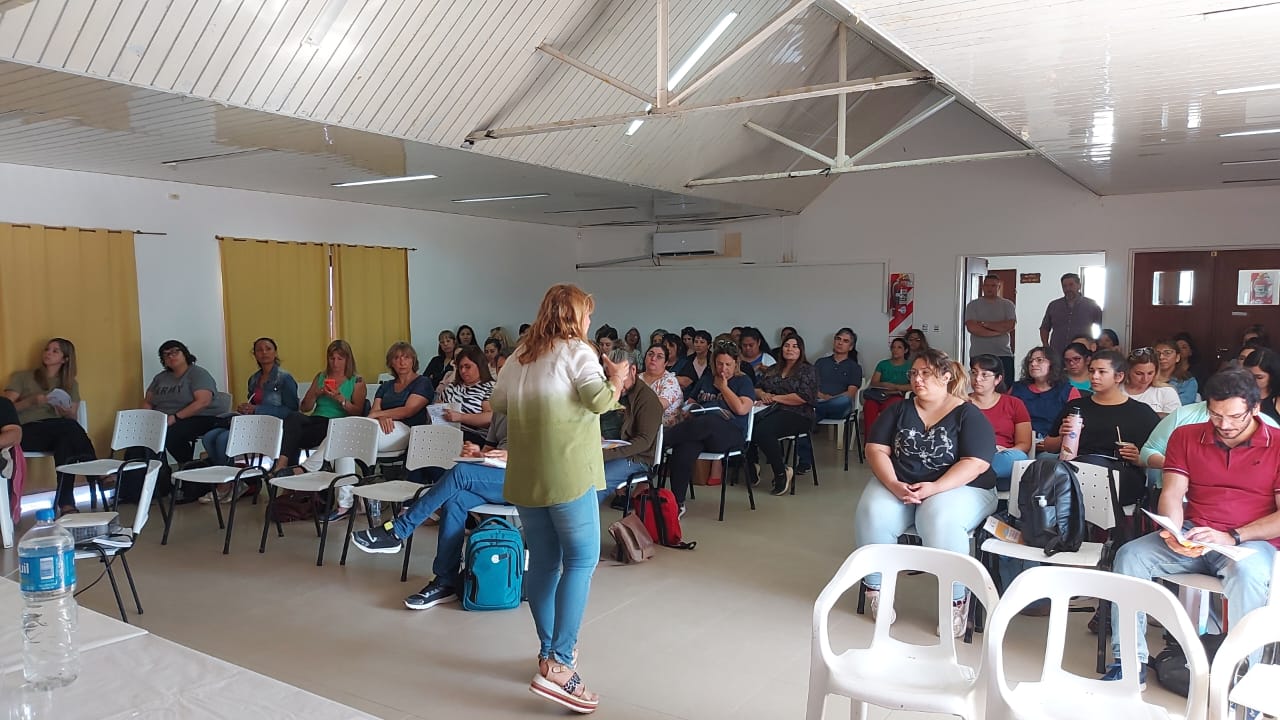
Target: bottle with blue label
{"type": "Point", "coordinates": [47, 568]}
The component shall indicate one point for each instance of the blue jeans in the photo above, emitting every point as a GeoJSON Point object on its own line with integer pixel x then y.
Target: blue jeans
{"type": "Point", "coordinates": [564, 547]}
{"type": "Point", "coordinates": [464, 487]}
{"type": "Point", "coordinates": [1002, 466]}
{"type": "Point", "coordinates": [943, 521]}
{"type": "Point", "coordinates": [616, 472]}
{"type": "Point", "coordinates": [215, 444]}
{"type": "Point", "coordinates": [831, 409]}
{"type": "Point", "coordinates": [1246, 582]}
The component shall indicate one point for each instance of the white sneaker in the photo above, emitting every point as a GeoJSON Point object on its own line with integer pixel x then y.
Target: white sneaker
{"type": "Point", "coordinates": [959, 616]}
{"type": "Point", "coordinates": [873, 606]}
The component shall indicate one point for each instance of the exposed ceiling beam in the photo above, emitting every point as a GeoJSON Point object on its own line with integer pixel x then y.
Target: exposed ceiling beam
{"type": "Point", "coordinates": [744, 49]}
{"type": "Point", "coordinates": [790, 143]}
{"type": "Point", "coordinates": [596, 73]}
{"type": "Point", "coordinates": [949, 160]}
{"type": "Point", "coordinates": [737, 103]}
{"type": "Point", "coordinates": [901, 128]}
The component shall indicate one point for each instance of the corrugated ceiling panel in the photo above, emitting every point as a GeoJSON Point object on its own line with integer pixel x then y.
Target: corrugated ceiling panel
{"type": "Point", "coordinates": [159, 42]}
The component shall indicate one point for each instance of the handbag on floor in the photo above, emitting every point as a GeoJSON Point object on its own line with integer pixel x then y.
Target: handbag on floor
{"type": "Point", "coordinates": [494, 576]}
{"type": "Point", "coordinates": [634, 543]}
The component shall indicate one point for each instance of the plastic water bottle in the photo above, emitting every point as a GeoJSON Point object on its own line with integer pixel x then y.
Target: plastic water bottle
{"type": "Point", "coordinates": [1071, 441]}
{"type": "Point", "coordinates": [47, 568]}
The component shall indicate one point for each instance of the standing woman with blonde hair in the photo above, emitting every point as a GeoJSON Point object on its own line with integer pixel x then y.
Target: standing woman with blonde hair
{"type": "Point", "coordinates": [47, 400]}
{"type": "Point", "coordinates": [553, 395]}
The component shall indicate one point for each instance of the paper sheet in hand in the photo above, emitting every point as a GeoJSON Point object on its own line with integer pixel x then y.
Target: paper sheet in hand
{"type": "Point", "coordinates": [437, 415]}
{"type": "Point", "coordinates": [610, 444]}
{"type": "Point", "coordinates": [1230, 551]}
{"type": "Point", "coordinates": [491, 462]}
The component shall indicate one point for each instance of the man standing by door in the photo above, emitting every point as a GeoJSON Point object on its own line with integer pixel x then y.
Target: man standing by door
{"type": "Point", "coordinates": [990, 320]}
{"type": "Point", "coordinates": [1070, 316]}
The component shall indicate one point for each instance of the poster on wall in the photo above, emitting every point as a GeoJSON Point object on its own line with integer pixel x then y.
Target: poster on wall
{"type": "Point", "coordinates": [902, 293]}
{"type": "Point", "coordinates": [1258, 287]}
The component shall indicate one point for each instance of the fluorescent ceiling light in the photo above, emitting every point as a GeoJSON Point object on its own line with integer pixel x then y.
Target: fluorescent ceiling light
{"type": "Point", "coordinates": [1243, 133]}
{"type": "Point", "coordinates": [381, 181]}
{"type": "Point", "coordinates": [693, 58]}
{"type": "Point", "coordinates": [1249, 89]}
{"type": "Point", "coordinates": [1251, 162]}
{"type": "Point", "coordinates": [502, 197]}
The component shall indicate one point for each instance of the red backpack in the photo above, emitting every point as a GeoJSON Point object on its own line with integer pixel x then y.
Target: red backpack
{"type": "Point", "coordinates": [661, 516]}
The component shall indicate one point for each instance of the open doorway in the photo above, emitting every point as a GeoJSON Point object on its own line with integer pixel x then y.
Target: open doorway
{"type": "Point", "coordinates": [1031, 282]}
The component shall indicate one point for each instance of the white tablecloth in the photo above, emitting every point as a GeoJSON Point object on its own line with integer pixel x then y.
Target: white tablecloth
{"type": "Point", "coordinates": [95, 631]}
{"type": "Point", "coordinates": [150, 677]}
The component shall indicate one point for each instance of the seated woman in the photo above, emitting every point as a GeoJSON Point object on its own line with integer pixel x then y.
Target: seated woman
{"type": "Point", "coordinates": [499, 334]}
{"type": "Point", "coordinates": [492, 349]}
{"type": "Point", "coordinates": [755, 351]}
{"type": "Point", "coordinates": [1264, 365]}
{"type": "Point", "coordinates": [470, 390]}
{"type": "Point", "coordinates": [606, 339]}
{"type": "Point", "coordinates": [1007, 414]}
{"type": "Point", "coordinates": [47, 400]}
{"type": "Point", "coordinates": [699, 363]}
{"type": "Point", "coordinates": [888, 383]}
{"type": "Point", "coordinates": [1090, 344]}
{"type": "Point", "coordinates": [188, 394]}
{"type": "Point", "coordinates": [443, 360]}
{"type": "Point", "coordinates": [337, 392]}
{"type": "Point", "coordinates": [465, 335]}
{"type": "Point", "coordinates": [400, 404]}
{"type": "Point", "coordinates": [717, 431]}
{"type": "Point", "coordinates": [1076, 361]}
{"type": "Point", "coordinates": [916, 342]}
{"type": "Point", "coordinates": [272, 391]}
{"type": "Point", "coordinates": [789, 389]}
{"type": "Point", "coordinates": [1108, 340]}
{"type": "Point", "coordinates": [632, 340]}
{"type": "Point", "coordinates": [1174, 369]}
{"type": "Point", "coordinates": [1043, 390]}
{"type": "Point", "coordinates": [663, 383]}
{"type": "Point", "coordinates": [1186, 346]}
{"type": "Point", "coordinates": [931, 457]}
{"type": "Point", "coordinates": [676, 358]}
{"type": "Point", "coordinates": [1140, 383]}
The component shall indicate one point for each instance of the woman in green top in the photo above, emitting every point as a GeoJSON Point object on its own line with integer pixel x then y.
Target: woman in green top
{"type": "Point", "coordinates": [553, 394]}
{"type": "Point", "coordinates": [336, 393]}
{"type": "Point", "coordinates": [888, 383]}
{"type": "Point", "coordinates": [48, 400]}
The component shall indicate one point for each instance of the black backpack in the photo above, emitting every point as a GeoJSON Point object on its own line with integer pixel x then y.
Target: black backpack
{"type": "Point", "coordinates": [1051, 505]}
{"type": "Point", "coordinates": [1171, 664]}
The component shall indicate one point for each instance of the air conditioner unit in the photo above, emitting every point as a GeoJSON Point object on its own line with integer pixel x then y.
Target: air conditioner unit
{"type": "Point", "coordinates": [688, 244]}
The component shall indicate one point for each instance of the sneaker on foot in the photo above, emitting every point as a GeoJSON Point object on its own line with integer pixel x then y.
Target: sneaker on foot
{"type": "Point", "coordinates": [339, 513]}
{"type": "Point", "coordinates": [682, 509]}
{"type": "Point", "coordinates": [782, 483]}
{"type": "Point", "coordinates": [873, 606]}
{"type": "Point", "coordinates": [435, 593]}
{"type": "Point", "coordinates": [959, 617]}
{"type": "Point", "coordinates": [803, 469]}
{"type": "Point", "coordinates": [381, 539]}
{"type": "Point", "coordinates": [1114, 673]}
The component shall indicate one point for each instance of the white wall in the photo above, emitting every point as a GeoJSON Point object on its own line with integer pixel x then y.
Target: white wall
{"type": "Point", "coordinates": [924, 220]}
{"type": "Point", "coordinates": [464, 270]}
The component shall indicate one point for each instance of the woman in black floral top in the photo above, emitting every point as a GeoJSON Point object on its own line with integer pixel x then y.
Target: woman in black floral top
{"type": "Point", "coordinates": [790, 388]}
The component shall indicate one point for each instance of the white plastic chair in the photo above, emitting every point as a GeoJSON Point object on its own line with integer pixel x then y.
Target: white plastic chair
{"type": "Point", "coordinates": [134, 430]}
{"type": "Point", "coordinates": [849, 428]}
{"type": "Point", "coordinates": [429, 446]}
{"type": "Point", "coordinates": [650, 476]}
{"type": "Point", "coordinates": [737, 452]}
{"type": "Point", "coordinates": [108, 548]}
{"type": "Point", "coordinates": [254, 440]}
{"type": "Point", "coordinates": [891, 673]}
{"type": "Point", "coordinates": [1259, 687]}
{"type": "Point", "coordinates": [353, 438]}
{"type": "Point", "coordinates": [1061, 694]}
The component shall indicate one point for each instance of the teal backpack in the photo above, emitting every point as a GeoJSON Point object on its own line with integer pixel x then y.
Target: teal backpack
{"type": "Point", "coordinates": [494, 576]}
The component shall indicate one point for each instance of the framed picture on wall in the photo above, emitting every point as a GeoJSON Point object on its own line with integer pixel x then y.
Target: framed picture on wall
{"type": "Point", "coordinates": [1258, 287]}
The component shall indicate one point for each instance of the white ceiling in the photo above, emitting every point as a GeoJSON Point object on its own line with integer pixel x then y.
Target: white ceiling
{"type": "Point", "coordinates": [1117, 93]}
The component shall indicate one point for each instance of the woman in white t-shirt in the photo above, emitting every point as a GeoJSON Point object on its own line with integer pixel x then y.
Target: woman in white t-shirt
{"type": "Point", "coordinates": [1140, 383]}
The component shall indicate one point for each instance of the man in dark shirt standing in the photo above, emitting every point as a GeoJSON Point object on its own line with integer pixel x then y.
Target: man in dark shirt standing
{"type": "Point", "coordinates": [1070, 316]}
{"type": "Point", "coordinates": [1110, 415]}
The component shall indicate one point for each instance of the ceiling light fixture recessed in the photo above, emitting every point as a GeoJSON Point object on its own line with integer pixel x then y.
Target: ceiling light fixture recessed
{"type": "Point", "coordinates": [1249, 89]}
{"type": "Point", "coordinates": [690, 61]}
{"type": "Point", "coordinates": [1245, 133]}
{"type": "Point", "coordinates": [1250, 162]}
{"type": "Point", "coordinates": [590, 210]}
{"type": "Point", "coordinates": [383, 181]}
{"type": "Point", "coordinates": [502, 197]}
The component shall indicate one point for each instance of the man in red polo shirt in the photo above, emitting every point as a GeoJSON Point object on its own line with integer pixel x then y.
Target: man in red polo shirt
{"type": "Point", "coordinates": [1229, 471]}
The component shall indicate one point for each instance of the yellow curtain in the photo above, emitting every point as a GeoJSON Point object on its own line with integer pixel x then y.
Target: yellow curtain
{"type": "Point", "coordinates": [278, 290]}
{"type": "Point", "coordinates": [371, 302]}
{"type": "Point", "coordinates": [81, 285]}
